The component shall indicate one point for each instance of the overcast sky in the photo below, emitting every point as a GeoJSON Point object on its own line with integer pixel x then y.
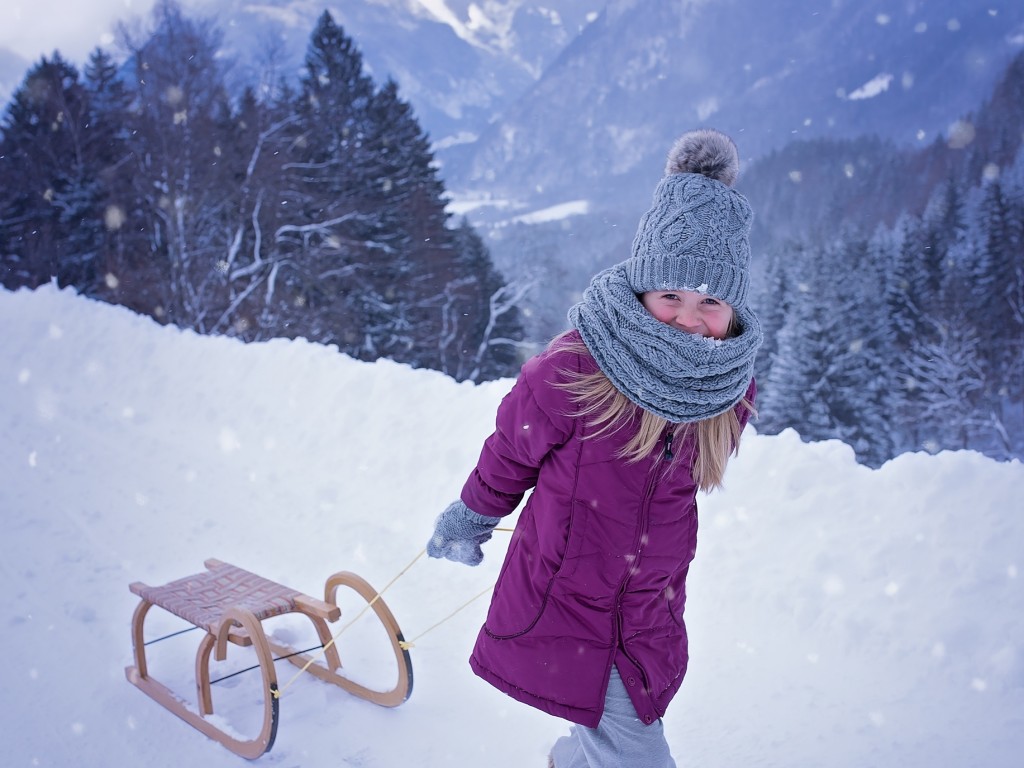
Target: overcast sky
{"type": "Point", "coordinates": [33, 28]}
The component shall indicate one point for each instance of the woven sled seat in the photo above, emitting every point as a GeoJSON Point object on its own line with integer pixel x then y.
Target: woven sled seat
{"type": "Point", "coordinates": [202, 599]}
{"type": "Point", "coordinates": [230, 604]}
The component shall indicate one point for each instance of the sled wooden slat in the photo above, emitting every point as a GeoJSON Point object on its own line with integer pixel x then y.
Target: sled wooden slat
{"type": "Point", "coordinates": [230, 604]}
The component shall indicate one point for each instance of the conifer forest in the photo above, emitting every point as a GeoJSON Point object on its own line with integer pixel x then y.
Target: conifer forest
{"type": "Point", "coordinates": [892, 292]}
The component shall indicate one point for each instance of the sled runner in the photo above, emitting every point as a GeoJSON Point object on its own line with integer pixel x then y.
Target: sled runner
{"type": "Point", "coordinates": [230, 604]}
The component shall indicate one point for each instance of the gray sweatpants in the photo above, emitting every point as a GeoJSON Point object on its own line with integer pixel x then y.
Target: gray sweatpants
{"type": "Point", "coordinates": [620, 740]}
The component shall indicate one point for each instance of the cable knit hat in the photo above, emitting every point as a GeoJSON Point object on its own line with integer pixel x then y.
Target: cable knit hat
{"type": "Point", "coordinates": [696, 234]}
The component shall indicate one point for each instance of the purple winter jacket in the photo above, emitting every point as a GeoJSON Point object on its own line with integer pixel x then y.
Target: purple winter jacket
{"type": "Point", "coordinates": [595, 573]}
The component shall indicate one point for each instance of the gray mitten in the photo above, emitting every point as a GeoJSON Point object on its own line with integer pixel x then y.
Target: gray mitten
{"type": "Point", "coordinates": [458, 534]}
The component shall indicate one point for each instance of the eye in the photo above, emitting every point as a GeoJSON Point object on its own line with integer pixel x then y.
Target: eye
{"type": "Point", "coordinates": [670, 297]}
{"type": "Point", "coordinates": [711, 301]}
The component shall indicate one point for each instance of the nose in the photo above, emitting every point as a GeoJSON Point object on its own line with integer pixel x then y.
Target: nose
{"type": "Point", "coordinates": [686, 318]}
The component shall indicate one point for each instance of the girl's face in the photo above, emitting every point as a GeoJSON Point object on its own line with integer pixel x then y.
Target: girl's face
{"type": "Point", "coordinates": [690, 311]}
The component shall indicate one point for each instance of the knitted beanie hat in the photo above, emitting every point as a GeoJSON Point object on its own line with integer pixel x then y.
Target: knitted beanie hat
{"type": "Point", "coordinates": [696, 234]}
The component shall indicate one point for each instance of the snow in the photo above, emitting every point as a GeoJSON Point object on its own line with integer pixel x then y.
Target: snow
{"type": "Point", "coordinates": [875, 86]}
{"type": "Point", "coordinates": [439, 10]}
{"type": "Point", "coordinates": [554, 212]}
{"type": "Point", "coordinates": [463, 205]}
{"type": "Point", "coordinates": [490, 26]}
{"type": "Point", "coordinates": [839, 616]}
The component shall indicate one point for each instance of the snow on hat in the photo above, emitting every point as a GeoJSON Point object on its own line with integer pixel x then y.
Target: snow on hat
{"type": "Point", "coordinates": [696, 234]}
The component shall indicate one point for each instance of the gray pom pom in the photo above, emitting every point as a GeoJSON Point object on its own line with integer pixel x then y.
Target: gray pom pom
{"type": "Point", "coordinates": [707, 152]}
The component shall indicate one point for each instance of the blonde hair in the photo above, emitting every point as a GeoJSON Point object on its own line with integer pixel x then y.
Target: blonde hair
{"type": "Point", "coordinates": [717, 438]}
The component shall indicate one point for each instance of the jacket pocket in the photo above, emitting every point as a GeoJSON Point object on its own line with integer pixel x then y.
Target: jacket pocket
{"type": "Point", "coordinates": [519, 597]}
{"type": "Point", "coordinates": [530, 574]}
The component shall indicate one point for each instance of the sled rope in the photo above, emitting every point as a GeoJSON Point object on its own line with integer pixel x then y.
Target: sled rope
{"type": "Point", "coordinates": [407, 644]}
{"type": "Point", "coordinates": [404, 644]}
{"type": "Point", "coordinates": [277, 693]}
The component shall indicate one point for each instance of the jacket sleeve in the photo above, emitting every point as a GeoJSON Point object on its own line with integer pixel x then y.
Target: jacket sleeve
{"type": "Point", "coordinates": [534, 418]}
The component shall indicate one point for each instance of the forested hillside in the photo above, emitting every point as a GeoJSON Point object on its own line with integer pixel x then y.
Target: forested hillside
{"type": "Point", "coordinates": [893, 287]}
{"type": "Point", "coordinates": [309, 209]}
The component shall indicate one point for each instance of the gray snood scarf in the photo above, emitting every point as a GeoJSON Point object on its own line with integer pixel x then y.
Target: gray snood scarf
{"type": "Point", "coordinates": [679, 376]}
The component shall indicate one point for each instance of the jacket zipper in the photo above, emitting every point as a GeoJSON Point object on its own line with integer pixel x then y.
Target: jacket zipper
{"type": "Point", "coordinates": [638, 547]}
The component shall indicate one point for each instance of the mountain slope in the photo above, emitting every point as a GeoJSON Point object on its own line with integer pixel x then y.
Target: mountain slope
{"type": "Point", "coordinates": [457, 63]}
{"type": "Point", "coordinates": [600, 120]}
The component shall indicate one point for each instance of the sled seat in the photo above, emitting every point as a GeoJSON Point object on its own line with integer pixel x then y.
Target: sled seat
{"type": "Point", "coordinates": [230, 604]}
{"type": "Point", "coordinates": [203, 598]}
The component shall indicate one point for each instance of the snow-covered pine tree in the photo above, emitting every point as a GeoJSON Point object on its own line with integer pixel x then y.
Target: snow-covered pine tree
{"type": "Point", "coordinates": [108, 142]}
{"type": "Point", "coordinates": [858, 375]}
{"type": "Point", "coordinates": [992, 290]}
{"type": "Point", "coordinates": [946, 375]}
{"type": "Point", "coordinates": [416, 276]}
{"type": "Point", "coordinates": [771, 304]}
{"type": "Point", "coordinates": [328, 230]}
{"type": "Point", "coordinates": [380, 270]}
{"type": "Point", "coordinates": [48, 227]}
{"type": "Point", "coordinates": [795, 391]}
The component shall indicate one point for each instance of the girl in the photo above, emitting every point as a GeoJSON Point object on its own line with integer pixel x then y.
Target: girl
{"type": "Point", "coordinates": [615, 427]}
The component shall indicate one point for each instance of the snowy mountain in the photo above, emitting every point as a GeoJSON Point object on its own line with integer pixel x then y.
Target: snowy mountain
{"type": "Point", "coordinates": [599, 121]}
{"type": "Point", "coordinates": [458, 63]}
{"type": "Point", "coordinates": [532, 104]}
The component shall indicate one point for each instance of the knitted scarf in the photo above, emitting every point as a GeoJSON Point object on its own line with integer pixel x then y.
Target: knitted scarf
{"type": "Point", "coordinates": [679, 376]}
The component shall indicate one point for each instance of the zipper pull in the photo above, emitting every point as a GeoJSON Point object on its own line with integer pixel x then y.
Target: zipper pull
{"type": "Point", "coordinates": [668, 446]}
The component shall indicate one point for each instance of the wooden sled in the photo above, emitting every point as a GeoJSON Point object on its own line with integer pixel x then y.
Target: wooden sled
{"type": "Point", "coordinates": [231, 604]}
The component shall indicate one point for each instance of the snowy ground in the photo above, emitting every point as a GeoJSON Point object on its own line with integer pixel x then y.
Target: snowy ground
{"type": "Point", "coordinates": [840, 617]}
